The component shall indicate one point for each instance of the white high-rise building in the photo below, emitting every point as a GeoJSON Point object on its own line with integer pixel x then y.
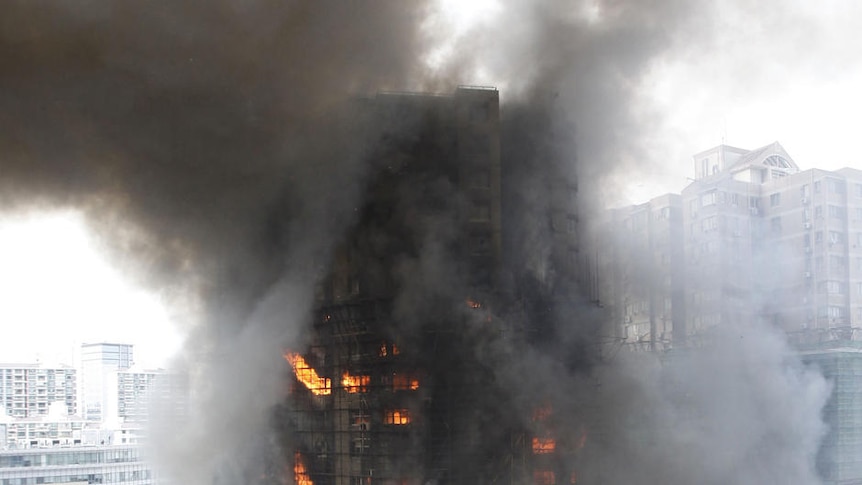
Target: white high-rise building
{"type": "Point", "coordinates": [136, 395]}
{"type": "Point", "coordinates": [99, 364]}
{"type": "Point", "coordinates": [28, 390]}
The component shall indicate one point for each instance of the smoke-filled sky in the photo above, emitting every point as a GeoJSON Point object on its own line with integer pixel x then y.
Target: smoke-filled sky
{"type": "Point", "coordinates": [205, 147]}
{"type": "Point", "coordinates": [701, 73]}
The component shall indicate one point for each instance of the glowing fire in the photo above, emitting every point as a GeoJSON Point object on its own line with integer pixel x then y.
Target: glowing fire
{"type": "Point", "coordinates": [543, 446]}
{"type": "Point", "coordinates": [354, 384]}
{"type": "Point", "coordinates": [300, 474]}
{"type": "Point", "coordinates": [320, 386]}
{"type": "Point", "coordinates": [543, 477]}
{"type": "Point", "coordinates": [397, 417]}
{"type": "Point", "coordinates": [473, 304]}
{"type": "Point", "coordinates": [403, 382]}
{"type": "Point", "coordinates": [386, 349]}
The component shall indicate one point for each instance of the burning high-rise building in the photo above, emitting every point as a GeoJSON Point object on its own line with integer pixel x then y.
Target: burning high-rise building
{"type": "Point", "coordinates": [397, 384]}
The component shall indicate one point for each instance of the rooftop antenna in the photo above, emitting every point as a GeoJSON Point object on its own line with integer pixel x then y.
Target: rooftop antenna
{"type": "Point", "coordinates": [724, 129]}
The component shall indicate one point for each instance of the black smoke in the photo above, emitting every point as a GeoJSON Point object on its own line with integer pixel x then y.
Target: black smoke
{"type": "Point", "coordinates": [215, 149]}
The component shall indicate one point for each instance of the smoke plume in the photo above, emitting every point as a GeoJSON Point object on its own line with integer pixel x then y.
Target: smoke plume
{"type": "Point", "coordinates": [215, 148]}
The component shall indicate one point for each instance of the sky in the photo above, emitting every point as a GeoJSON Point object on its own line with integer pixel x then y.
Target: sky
{"type": "Point", "coordinates": [785, 71]}
{"type": "Point", "coordinates": [89, 301]}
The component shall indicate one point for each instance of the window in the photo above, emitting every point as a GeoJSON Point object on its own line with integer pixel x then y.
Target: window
{"type": "Point", "coordinates": [836, 262]}
{"type": "Point", "coordinates": [704, 167]}
{"type": "Point", "coordinates": [398, 417]}
{"type": "Point", "coordinates": [734, 200]}
{"type": "Point", "coordinates": [775, 199]}
{"type": "Point", "coordinates": [354, 384]}
{"type": "Point", "coordinates": [707, 199]}
{"type": "Point", "coordinates": [804, 191]}
{"type": "Point", "coordinates": [817, 187]}
{"type": "Point", "coordinates": [831, 287]}
{"type": "Point", "coordinates": [775, 223]}
{"type": "Point", "coordinates": [360, 420]}
{"type": "Point", "coordinates": [806, 214]}
{"type": "Point", "coordinates": [836, 237]}
{"type": "Point", "coordinates": [404, 382]}
{"type": "Point", "coordinates": [709, 224]}
{"type": "Point", "coordinates": [692, 205]}
{"type": "Point", "coordinates": [818, 237]}
{"type": "Point", "coordinates": [836, 211]}
{"type": "Point", "coordinates": [541, 477]}
{"type": "Point", "coordinates": [360, 445]}
{"type": "Point", "coordinates": [835, 186]}
{"type": "Point", "coordinates": [818, 212]}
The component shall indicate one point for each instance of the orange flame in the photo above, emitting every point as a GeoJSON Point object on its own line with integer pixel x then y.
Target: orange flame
{"type": "Point", "coordinates": [473, 304]}
{"type": "Point", "coordinates": [384, 349]}
{"type": "Point", "coordinates": [300, 475]}
{"type": "Point", "coordinates": [397, 417]}
{"type": "Point", "coordinates": [544, 446]}
{"type": "Point", "coordinates": [403, 382]}
{"type": "Point", "coordinates": [320, 386]}
{"type": "Point", "coordinates": [354, 384]}
{"type": "Point", "coordinates": [543, 477]}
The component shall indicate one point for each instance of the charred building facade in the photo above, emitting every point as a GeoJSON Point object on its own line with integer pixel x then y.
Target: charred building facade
{"type": "Point", "coordinates": [397, 383]}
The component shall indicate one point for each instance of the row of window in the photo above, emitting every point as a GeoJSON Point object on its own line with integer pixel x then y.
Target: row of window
{"type": "Point", "coordinates": [112, 477]}
{"type": "Point", "coordinates": [84, 457]}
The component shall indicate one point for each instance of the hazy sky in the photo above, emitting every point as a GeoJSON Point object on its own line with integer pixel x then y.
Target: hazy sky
{"type": "Point", "coordinates": [787, 71]}
{"type": "Point", "coordinates": [741, 73]}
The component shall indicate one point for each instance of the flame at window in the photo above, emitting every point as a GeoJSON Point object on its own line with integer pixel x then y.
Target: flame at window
{"type": "Point", "coordinates": [320, 386]}
{"type": "Point", "coordinates": [388, 349]}
{"type": "Point", "coordinates": [544, 477]}
{"type": "Point", "coordinates": [300, 474]}
{"type": "Point", "coordinates": [397, 417]}
{"type": "Point", "coordinates": [544, 446]}
{"type": "Point", "coordinates": [404, 382]}
{"type": "Point", "coordinates": [354, 384]}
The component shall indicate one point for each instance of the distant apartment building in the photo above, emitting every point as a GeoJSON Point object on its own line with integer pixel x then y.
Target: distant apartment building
{"type": "Point", "coordinates": [28, 390]}
{"type": "Point", "coordinates": [135, 396]}
{"type": "Point", "coordinates": [57, 428]}
{"type": "Point", "coordinates": [99, 364]}
{"type": "Point", "coordinates": [762, 241]}
{"type": "Point", "coordinates": [647, 272]}
{"type": "Point", "coordinates": [768, 241]}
